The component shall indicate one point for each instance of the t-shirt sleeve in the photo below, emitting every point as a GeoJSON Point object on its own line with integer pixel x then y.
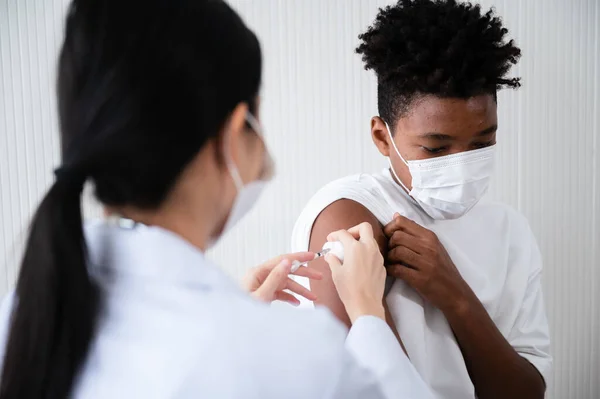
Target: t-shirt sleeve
{"type": "Point", "coordinates": [530, 335]}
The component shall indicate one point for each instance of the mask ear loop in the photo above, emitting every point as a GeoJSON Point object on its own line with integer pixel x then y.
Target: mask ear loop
{"type": "Point", "coordinates": [231, 166]}
{"type": "Point", "coordinates": [254, 124]}
{"type": "Point", "coordinates": [400, 155]}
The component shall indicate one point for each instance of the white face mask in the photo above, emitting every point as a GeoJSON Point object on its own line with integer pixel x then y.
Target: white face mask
{"type": "Point", "coordinates": [247, 194]}
{"type": "Point", "coordinates": [447, 187]}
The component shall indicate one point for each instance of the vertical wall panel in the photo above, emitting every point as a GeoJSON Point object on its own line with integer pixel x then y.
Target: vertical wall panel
{"type": "Point", "coordinates": [317, 102]}
{"type": "Point", "coordinates": [594, 327]}
{"type": "Point", "coordinates": [28, 133]}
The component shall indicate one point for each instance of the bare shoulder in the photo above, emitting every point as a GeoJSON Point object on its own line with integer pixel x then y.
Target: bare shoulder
{"type": "Point", "coordinates": [343, 214]}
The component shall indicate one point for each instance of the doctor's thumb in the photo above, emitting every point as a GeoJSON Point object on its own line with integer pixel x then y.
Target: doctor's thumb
{"type": "Point", "coordinates": [333, 262]}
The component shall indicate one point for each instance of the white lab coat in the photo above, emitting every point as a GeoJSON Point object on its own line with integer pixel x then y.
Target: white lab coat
{"type": "Point", "coordinates": [175, 326]}
{"type": "Point", "coordinates": [495, 252]}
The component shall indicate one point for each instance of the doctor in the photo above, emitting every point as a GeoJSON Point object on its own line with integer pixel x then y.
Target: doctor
{"type": "Point", "coordinates": [156, 104]}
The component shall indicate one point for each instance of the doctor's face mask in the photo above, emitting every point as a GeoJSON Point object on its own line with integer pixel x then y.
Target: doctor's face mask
{"type": "Point", "coordinates": [247, 194]}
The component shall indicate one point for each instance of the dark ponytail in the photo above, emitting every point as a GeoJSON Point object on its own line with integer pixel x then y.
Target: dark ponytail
{"type": "Point", "coordinates": [56, 302]}
{"type": "Point", "coordinates": [142, 87]}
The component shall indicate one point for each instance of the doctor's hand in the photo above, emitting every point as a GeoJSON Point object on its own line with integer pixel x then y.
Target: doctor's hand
{"type": "Point", "coordinates": [269, 281]}
{"type": "Point", "coordinates": [360, 280]}
{"type": "Point", "coordinates": [416, 255]}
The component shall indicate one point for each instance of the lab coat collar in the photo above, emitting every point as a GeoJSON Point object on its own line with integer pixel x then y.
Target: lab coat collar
{"type": "Point", "coordinates": [151, 253]}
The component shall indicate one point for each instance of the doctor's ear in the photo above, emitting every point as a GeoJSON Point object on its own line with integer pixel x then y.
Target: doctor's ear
{"type": "Point", "coordinates": [237, 120]}
{"type": "Point", "coordinates": [380, 136]}
{"type": "Point", "coordinates": [232, 135]}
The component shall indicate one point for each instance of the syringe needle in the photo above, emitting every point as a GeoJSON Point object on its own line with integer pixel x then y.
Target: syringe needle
{"type": "Point", "coordinates": [296, 264]}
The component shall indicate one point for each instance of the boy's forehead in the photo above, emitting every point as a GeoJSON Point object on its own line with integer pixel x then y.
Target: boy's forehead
{"type": "Point", "coordinates": [445, 115]}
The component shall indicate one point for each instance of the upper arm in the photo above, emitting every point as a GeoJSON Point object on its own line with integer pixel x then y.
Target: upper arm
{"type": "Point", "coordinates": [342, 214]}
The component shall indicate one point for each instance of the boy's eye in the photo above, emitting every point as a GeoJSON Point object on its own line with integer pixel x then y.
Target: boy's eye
{"type": "Point", "coordinates": [435, 150]}
{"type": "Point", "coordinates": [483, 145]}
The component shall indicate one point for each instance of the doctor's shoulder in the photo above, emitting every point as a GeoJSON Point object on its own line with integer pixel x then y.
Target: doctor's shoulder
{"type": "Point", "coordinates": [254, 350]}
{"type": "Point", "coordinates": [291, 347]}
{"type": "Point", "coordinates": [6, 308]}
{"type": "Point", "coordinates": [307, 334]}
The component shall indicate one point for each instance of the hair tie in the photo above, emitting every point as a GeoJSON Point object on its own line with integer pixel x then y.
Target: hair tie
{"type": "Point", "coordinates": [67, 175]}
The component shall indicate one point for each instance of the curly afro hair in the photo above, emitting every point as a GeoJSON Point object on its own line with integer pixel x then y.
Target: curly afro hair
{"type": "Point", "coordinates": [438, 47]}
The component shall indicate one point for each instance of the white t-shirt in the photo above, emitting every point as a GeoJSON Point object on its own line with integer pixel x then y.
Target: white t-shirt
{"type": "Point", "coordinates": [496, 253]}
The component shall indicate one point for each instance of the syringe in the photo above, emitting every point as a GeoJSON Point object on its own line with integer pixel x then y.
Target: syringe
{"type": "Point", "coordinates": [336, 248]}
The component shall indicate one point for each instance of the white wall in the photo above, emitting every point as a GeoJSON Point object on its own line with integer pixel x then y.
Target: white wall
{"type": "Point", "coordinates": [317, 101]}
